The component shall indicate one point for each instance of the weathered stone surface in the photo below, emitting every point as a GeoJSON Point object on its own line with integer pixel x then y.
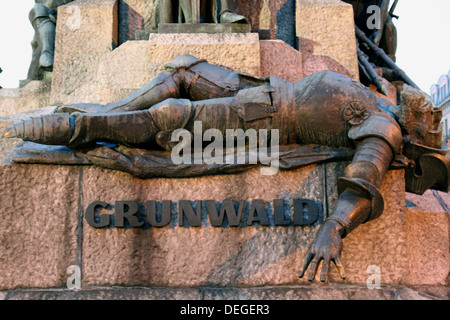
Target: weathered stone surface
{"type": "Point", "coordinates": [38, 222]}
{"type": "Point", "coordinates": [35, 95]}
{"type": "Point", "coordinates": [116, 81]}
{"type": "Point", "coordinates": [197, 256]}
{"type": "Point", "coordinates": [240, 51]}
{"type": "Point", "coordinates": [428, 242]}
{"type": "Point", "coordinates": [326, 35]}
{"type": "Point", "coordinates": [428, 223]}
{"type": "Point", "coordinates": [382, 242]}
{"type": "Point", "coordinates": [309, 292]}
{"type": "Point", "coordinates": [86, 32]}
{"type": "Point", "coordinates": [185, 257]}
{"type": "Point", "coordinates": [280, 60]}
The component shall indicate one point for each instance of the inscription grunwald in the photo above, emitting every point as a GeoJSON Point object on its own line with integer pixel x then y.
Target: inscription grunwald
{"type": "Point", "coordinates": [184, 213]}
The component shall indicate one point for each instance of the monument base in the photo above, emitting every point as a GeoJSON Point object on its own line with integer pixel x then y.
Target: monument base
{"type": "Point", "coordinates": [45, 230]}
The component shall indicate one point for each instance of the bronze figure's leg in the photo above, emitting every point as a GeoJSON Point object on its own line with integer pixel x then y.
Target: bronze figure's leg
{"type": "Point", "coordinates": [190, 79]}
{"type": "Point", "coordinates": [44, 41]}
{"type": "Point", "coordinates": [164, 86]}
{"type": "Point", "coordinates": [46, 30]}
{"type": "Point", "coordinates": [128, 128]}
{"type": "Point", "coordinates": [163, 13]}
{"type": "Point", "coordinates": [33, 70]}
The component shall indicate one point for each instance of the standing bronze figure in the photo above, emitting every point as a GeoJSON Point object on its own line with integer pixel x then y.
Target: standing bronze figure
{"type": "Point", "coordinates": [43, 19]}
{"type": "Point", "coordinates": [324, 109]}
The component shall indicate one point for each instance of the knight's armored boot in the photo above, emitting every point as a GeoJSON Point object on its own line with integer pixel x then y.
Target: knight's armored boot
{"type": "Point", "coordinates": [77, 130]}
{"type": "Point", "coordinates": [53, 129]}
{"type": "Point", "coordinates": [228, 15]}
{"type": "Point", "coordinates": [45, 31]}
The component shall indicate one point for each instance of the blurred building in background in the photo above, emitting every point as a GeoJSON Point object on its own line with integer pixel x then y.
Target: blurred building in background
{"type": "Point", "coordinates": [440, 93]}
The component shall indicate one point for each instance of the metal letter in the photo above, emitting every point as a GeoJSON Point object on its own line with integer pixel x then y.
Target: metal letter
{"type": "Point", "coordinates": [228, 210]}
{"type": "Point", "coordinates": [278, 213]}
{"type": "Point", "coordinates": [127, 210]}
{"type": "Point", "coordinates": [185, 209]}
{"type": "Point", "coordinates": [304, 207]}
{"type": "Point", "coordinates": [90, 214]}
{"type": "Point", "coordinates": [166, 214]}
{"type": "Point", "coordinates": [258, 207]}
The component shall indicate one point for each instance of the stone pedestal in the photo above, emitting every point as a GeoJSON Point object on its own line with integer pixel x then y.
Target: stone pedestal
{"type": "Point", "coordinates": [86, 32]}
{"type": "Point", "coordinates": [51, 233]}
{"type": "Point", "coordinates": [326, 36]}
{"type": "Point", "coordinates": [34, 95]}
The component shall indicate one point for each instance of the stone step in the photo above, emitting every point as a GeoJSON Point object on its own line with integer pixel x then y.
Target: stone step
{"type": "Point", "coordinates": [306, 292]}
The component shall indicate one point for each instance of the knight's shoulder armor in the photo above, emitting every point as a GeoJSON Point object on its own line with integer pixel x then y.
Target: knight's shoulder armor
{"type": "Point", "coordinates": [382, 126]}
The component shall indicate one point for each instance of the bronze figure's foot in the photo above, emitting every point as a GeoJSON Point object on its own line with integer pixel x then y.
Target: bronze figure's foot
{"type": "Point", "coordinates": [52, 129]}
{"type": "Point", "coordinates": [46, 60]}
{"type": "Point", "coordinates": [229, 17]}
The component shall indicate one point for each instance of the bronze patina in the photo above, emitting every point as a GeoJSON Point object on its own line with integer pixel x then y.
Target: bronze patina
{"type": "Point", "coordinates": [324, 109]}
{"type": "Point", "coordinates": [43, 19]}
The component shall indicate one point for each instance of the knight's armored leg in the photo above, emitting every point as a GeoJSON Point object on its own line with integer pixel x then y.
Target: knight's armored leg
{"type": "Point", "coordinates": [132, 128]}
{"type": "Point", "coordinates": [155, 124]}
{"type": "Point", "coordinates": [127, 128]}
{"type": "Point", "coordinates": [164, 86]}
{"type": "Point", "coordinates": [45, 30]}
{"type": "Point", "coordinates": [186, 77]}
{"type": "Point", "coordinates": [228, 12]}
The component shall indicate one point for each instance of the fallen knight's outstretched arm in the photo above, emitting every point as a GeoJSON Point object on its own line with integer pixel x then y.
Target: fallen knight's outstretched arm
{"type": "Point", "coordinates": [359, 201]}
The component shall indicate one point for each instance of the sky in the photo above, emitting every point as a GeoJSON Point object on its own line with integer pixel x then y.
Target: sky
{"type": "Point", "coordinates": [423, 40]}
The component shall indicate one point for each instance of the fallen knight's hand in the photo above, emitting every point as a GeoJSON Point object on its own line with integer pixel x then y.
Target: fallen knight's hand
{"type": "Point", "coordinates": [327, 247]}
{"type": "Point", "coordinates": [351, 210]}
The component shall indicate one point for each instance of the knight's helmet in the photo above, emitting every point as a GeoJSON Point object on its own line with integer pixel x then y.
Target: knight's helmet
{"type": "Point", "coordinates": [429, 161]}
